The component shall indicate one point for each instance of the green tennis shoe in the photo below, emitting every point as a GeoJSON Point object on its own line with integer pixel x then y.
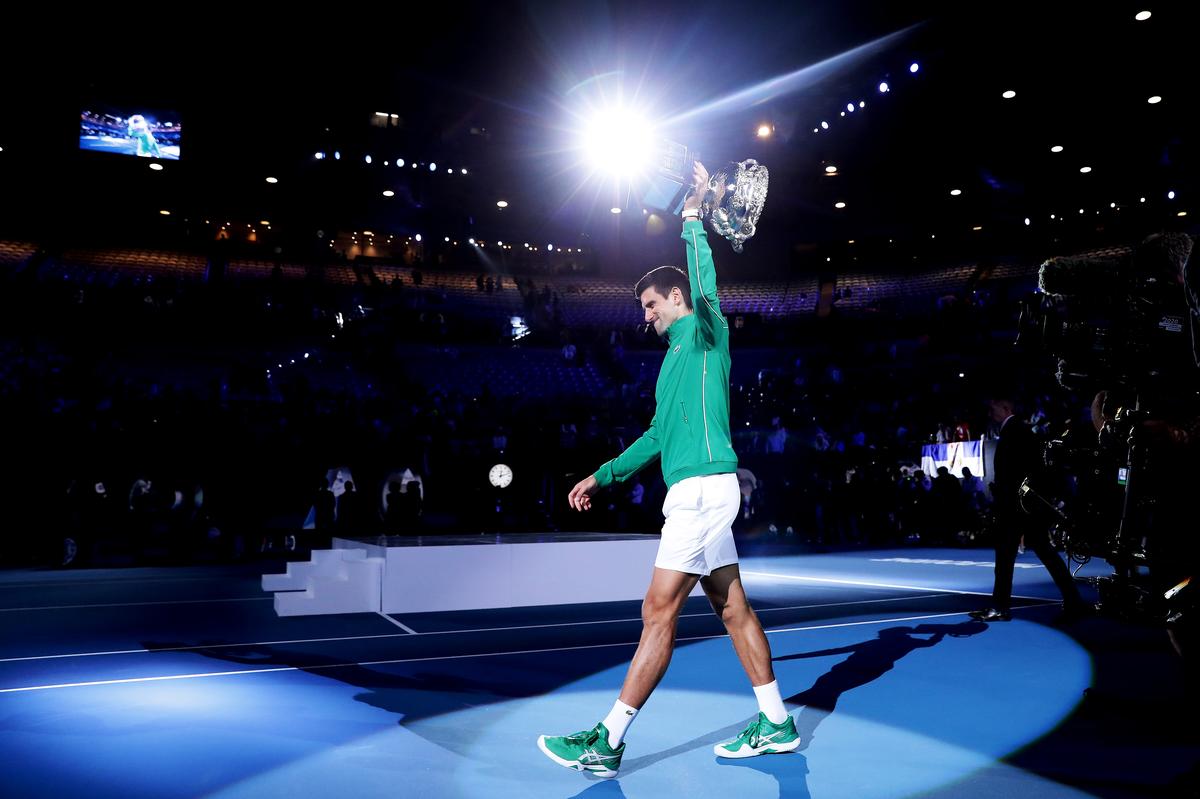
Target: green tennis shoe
{"type": "Point", "coordinates": [761, 737]}
{"type": "Point", "coordinates": [584, 751]}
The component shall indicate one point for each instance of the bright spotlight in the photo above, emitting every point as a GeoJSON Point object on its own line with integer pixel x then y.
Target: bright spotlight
{"type": "Point", "coordinates": [839, 205]}
{"type": "Point", "coordinates": [1142, 16]}
{"type": "Point", "coordinates": [615, 210]}
{"type": "Point", "coordinates": [464, 171]}
{"type": "Point", "coordinates": [824, 126]}
{"type": "Point", "coordinates": [417, 237]}
{"type": "Point", "coordinates": [831, 170]}
{"type": "Point", "coordinates": [1155, 100]}
{"type": "Point", "coordinates": [764, 131]}
{"type": "Point", "coordinates": [619, 143]}
{"type": "Point", "coordinates": [399, 162]}
{"type": "Point", "coordinates": [850, 107]}
{"type": "Point", "coordinates": [1058, 148]}
{"type": "Point", "coordinates": [913, 67]}
{"type": "Point", "coordinates": [501, 203]}
{"type": "Point", "coordinates": [156, 167]}
{"type": "Point", "coordinates": [389, 193]}
{"type": "Point", "coordinates": [433, 167]}
{"type": "Point", "coordinates": [272, 180]}
{"type": "Point", "coordinates": [1008, 95]}
{"type": "Point", "coordinates": [1085, 169]}
{"type": "Point", "coordinates": [955, 192]}
{"type": "Point", "coordinates": [367, 158]}
{"type": "Point", "coordinates": [337, 155]}
{"type": "Point", "coordinates": [884, 88]}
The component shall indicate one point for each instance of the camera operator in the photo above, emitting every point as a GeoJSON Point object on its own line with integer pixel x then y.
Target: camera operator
{"type": "Point", "coordinates": [1017, 457]}
{"type": "Point", "coordinates": [1128, 325]}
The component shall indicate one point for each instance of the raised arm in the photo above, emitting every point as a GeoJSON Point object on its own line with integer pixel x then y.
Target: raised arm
{"type": "Point", "coordinates": [702, 272]}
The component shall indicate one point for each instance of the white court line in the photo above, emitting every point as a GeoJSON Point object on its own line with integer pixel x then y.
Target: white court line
{"type": "Point", "coordinates": [115, 580]}
{"type": "Point", "coordinates": [433, 632]}
{"type": "Point", "coordinates": [884, 585]}
{"type": "Point", "coordinates": [320, 667]}
{"type": "Point", "coordinates": [682, 616]}
{"type": "Point", "coordinates": [404, 627]}
{"type": "Point", "coordinates": [142, 604]}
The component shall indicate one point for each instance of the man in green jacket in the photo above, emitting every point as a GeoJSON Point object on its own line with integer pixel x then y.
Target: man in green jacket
{"type": "Point", "coordinates": [690, 434]}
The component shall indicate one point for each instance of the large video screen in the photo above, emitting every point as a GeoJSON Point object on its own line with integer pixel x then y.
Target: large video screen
{"type": "Point", "coordinates": [131, 130]}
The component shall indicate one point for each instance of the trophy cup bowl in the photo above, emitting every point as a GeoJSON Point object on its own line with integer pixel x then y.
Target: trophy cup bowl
{"type": "Point", "coordinates": [732, 202]}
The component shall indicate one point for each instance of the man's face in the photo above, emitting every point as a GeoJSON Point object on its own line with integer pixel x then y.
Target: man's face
{"type": "Point", "coordinates": [998, 410]}
{"type": "Point", "coordinates": [662, 311]}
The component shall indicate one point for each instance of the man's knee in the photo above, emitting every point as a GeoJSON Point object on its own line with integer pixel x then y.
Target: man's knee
{"type": "Point", "coordinates": [734, 614]}
{"type": "Point", "coordinates": [659, 610]}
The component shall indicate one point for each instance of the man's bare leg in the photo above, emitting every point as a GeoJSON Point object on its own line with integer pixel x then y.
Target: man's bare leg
{"type": "Point", "coordinates": [778, 733]}
{"type": "Point", "coordinates": [728, 599]}
{"type": "Point", "coordinates": [660, 615]}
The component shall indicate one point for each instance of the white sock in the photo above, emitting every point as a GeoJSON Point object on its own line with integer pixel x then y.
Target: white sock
{"type": "Point", "coordinates": [618, 720]}
{"type": "Point", "coordinates": [770, 702]}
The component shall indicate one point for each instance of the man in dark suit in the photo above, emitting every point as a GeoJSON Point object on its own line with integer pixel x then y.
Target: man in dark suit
{"type": "Point", "coordinates": [1017, 456]}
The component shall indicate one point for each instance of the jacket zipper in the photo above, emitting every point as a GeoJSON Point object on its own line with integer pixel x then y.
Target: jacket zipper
{"type": "Point", "coordinates": [704, 405]}
{"type": "Point", "coordinates": [683, 408]}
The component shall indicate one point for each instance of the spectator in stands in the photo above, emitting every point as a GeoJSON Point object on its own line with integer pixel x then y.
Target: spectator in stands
{"type": "Point", "coordinates": [352, 517]}
{"type": "Point", "coordinates": [946, 498]}
{"type": "Point", "coordinates": [778, 437]}
{"type": "Point", "coordinates": [973, 491]}
{"type": "Point", "coordinates": [324, 510]}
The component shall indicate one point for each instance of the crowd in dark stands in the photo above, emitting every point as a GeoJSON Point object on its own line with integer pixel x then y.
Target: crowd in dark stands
{"type": "Point", "coordinates": [162, 418]}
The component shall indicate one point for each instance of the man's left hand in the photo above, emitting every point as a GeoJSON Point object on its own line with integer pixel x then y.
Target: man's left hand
{"type": "Point", "coordinates": [699, 187]}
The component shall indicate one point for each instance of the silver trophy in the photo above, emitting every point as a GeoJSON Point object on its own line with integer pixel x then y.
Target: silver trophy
{"type": "Point", "coordinates": [732, 203]}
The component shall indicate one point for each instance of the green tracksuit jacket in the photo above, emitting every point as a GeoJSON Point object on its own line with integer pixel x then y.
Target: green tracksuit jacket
{"type": "Point", "coordinates": [690, 428]}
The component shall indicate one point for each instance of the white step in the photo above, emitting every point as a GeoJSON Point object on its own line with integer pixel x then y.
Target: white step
{"type": "Point", "coordinates": [335, 581]}
{"type": "Point", "coordinates": [324, 563]}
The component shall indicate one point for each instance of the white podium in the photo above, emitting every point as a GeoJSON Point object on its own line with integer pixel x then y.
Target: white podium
{"type": "Point", "coordinates": [428, 574]}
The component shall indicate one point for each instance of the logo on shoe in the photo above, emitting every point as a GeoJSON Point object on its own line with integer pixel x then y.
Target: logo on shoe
{"type": "Point", "coordinates": [595, 758]}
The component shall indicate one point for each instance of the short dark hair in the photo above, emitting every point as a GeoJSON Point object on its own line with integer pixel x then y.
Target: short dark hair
{"type": "Point", "coordinates": [662, 279]}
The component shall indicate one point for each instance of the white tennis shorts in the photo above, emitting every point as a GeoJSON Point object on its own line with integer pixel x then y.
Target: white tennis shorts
{"type": "Point", "coordinates": [697, 537]}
